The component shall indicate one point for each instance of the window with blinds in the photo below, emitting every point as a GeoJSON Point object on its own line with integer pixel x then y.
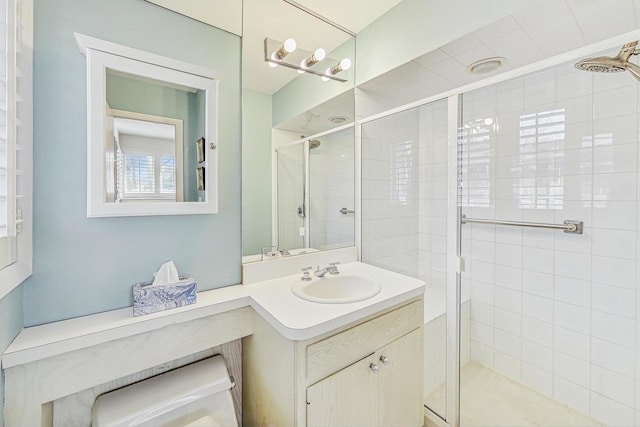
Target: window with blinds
{"type": "Point", "coordinates": [10, 128]}
{"type": "Point", "coordinates": [148, 176]}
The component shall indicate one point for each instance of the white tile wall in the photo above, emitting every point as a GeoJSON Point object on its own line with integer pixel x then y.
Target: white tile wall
{"type": "Point", "coordinates": [556, 311]}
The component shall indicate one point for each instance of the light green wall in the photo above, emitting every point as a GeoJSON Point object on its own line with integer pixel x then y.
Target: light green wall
{"type": "Point", "coordinates": [10, 325]}
{"type": "Point", "coordinates": [256, 176]}
{"type": "Point", "coordinates": [415, 27]}
{"type": "Point", "coordinates": [83, 266]}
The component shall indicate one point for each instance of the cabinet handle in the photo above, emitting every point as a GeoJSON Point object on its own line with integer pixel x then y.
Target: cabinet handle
{"type": "Point", "coordinates": [374, 368]}
{"type": "Point", "coordinates": [385, 360]}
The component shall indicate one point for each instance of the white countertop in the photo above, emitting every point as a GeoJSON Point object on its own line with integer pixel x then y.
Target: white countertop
{"type": "Point", "coordinates": [293, 317]}
{"type": "Point", "coordinates": [298, 319]}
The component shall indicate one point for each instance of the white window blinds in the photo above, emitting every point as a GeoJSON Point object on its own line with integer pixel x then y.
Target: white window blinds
{"type": "Point", "coordinates": [11, 105]}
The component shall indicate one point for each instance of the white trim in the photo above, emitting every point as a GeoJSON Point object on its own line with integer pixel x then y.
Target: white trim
{"type": "Point", "coordinates": [13, 275]}
{"type": "Point", "coordinates": [275, 227]}
{"type": "Point", "coordinates": [97, 63]}
{"type": "Point", "coordinates": [453, 293]}
{"type": "Point", "coordinates": [86, 43]}
{"type": "Point", "coordinates": [357, 158]}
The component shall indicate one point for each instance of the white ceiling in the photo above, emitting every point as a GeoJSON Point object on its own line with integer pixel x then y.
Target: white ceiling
{"type": "Point", "coordinates": [542, 30]}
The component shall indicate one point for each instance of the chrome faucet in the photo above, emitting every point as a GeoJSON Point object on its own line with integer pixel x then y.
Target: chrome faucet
{"type": "Point", "coordinates": [331, 269]}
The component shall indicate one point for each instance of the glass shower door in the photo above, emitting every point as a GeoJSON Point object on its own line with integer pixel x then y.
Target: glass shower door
{"type": "Point", "coordinates": [404, 223]}
{"type": "Point", "coordinates": [291, 197]}
{"type": "Point", "coordinates": [332, 190]}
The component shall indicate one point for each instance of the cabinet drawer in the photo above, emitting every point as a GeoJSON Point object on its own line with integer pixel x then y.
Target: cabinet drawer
{"type": "Point", "coordinates": [338, 351]}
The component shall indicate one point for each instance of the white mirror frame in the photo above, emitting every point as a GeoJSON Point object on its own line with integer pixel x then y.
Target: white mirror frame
{"type": "Point", "coordinates": [101, 55]}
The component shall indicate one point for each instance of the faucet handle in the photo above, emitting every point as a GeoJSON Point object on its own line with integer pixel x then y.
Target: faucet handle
{"type": "Point", "coordinates": [333, 267]}
{"type": "Point", "coordinates": [305, 274]}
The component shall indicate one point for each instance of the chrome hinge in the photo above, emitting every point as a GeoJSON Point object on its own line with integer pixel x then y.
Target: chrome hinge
{"type": "Point", "coordinates": [460, 264]}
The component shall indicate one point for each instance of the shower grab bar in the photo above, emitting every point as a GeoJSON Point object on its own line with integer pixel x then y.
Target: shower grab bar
{"type": "Point", "coordinates": [345, 211]}
{"type": "Point", "coordinates": [569, 226]}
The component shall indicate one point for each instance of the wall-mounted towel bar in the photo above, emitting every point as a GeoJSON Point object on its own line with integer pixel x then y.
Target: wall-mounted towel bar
{"type": "Point", "coordinates": [345, 211]}
{"type": "Point", "coordinates": [569, 226]}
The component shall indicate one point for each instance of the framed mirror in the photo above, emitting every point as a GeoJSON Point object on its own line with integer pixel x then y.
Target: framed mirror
{"type": "Point", "coordinates": [285, 106]}
{"type": "Point", "coordinates": [152, 133]}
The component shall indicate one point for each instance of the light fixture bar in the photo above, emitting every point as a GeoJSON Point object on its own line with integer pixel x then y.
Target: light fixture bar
{"type": "Point", "coordinates": [271, 59]}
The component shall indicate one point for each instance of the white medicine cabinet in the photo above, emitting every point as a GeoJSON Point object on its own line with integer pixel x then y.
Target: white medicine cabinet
{"type": "Point", "coordinates": [152, 133]}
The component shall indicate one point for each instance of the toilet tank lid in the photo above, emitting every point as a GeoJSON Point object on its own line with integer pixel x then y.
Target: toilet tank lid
{"type": "Point", "coordinates": [162, 393]}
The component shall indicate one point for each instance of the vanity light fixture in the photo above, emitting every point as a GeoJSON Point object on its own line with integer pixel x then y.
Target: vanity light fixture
{"type": "Point", "coordinates": [343, 65]}
{"type": "Point", "coordinates": [305, 59]}
{"type": "Point", "coordinates": [287, 47]}
{"type": "Point", "coordinates": [317, 56]}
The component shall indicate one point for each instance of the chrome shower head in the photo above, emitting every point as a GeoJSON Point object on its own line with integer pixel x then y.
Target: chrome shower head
{"type": "Point", "coordinates": [314, 143]}
{"type": "Point", "coordinates": [606, 64]}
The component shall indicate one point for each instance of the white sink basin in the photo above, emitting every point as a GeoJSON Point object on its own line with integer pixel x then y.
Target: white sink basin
{"type": "Point", "coordinates": [338, 289]}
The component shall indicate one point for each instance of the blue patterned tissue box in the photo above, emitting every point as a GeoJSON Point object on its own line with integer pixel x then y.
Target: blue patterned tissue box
{"type": "Point", "coordinates": [148, 298]}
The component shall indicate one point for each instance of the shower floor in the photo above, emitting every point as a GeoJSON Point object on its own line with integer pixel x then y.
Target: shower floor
{"type": "Point", "coordinates": [490, 399]}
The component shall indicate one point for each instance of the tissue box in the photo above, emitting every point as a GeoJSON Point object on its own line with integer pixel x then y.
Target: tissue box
{"type": "Point", "coordinates": [148, 298]}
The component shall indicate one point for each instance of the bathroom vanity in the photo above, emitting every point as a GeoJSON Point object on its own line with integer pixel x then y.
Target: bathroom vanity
{"type": "Point", "coordinates": [336, 364]}
{"type": "Point", "coordinates": [369, 373]}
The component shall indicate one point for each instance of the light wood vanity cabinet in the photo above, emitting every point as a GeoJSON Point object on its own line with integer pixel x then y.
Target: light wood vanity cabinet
{"type": "Point", "coordinates": [365, 374]}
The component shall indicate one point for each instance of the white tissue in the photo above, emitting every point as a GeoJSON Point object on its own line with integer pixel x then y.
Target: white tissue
{"type": "Point", "coordinates": [167, 273]}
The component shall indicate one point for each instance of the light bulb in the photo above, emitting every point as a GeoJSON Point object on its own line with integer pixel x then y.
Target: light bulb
{"type": "Point", "coordinates": [289, 45]}
{"type": "Point", "coordinates": [273, 64]}
{"type": "Point", "coordinates": [343, 65]}
{"type": "Point", "coordinates": [317, 56]}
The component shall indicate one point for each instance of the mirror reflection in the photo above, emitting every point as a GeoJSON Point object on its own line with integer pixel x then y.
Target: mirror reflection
{"type": "Point", "coordinates": [283, 108]}
{"type": "Point", "coordinates": [316, 193]}
{"type": "Point", "coordinates": [147, 160]}
{"type": "Point", "coordinates": [142, 161]}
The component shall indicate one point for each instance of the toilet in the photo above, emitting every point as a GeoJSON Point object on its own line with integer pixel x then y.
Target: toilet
{"type": "Point", "coordinates": [196, 395]}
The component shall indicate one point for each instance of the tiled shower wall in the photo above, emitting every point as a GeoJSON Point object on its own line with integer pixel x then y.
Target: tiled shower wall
{"type": "Point", "coordinates": [332, 187]}
{"type": "Point", "coordinates": [556, 311]}
{"type": "Point", "coordinates": [390, 193]}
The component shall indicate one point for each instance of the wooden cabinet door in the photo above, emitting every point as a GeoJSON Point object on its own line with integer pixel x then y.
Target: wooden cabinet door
{"type": "Point", "coordinates": [347, 398]}
{"type": "Point", "coordinates": [400, 382]}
